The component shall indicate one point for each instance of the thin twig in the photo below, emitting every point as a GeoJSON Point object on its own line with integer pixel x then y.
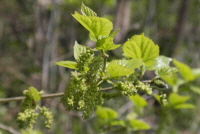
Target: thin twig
{"type": "Point", "coordinates": [104, 89]}
{"type": "Point", "coordinates": [57, 94]}
{"type": "Point", "coordinates": [44, 96]}
{"type": "Point", "coordinates": [9, 129]}
{"type": "Point", "coordinates": [21, 98]}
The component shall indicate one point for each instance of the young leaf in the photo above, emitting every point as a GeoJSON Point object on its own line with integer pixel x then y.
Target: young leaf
{"type": "Point", "coordinates": [172, 80]}
{"type": "Point", "coordinates": [68, 64]}
{"type": "Point", "coordinates": [160, 61]}
{"type": "Point", "coordinates": [196, 72]}
{"type": "Point", "coordinates": [122, 67]}
{"type": "Point", "coordinates": [78, 49]}
{"type": "Point", "coordinates": [106, 44]}
{"type": "Point", "coordinates": [130, 64]}
{"type": "Point", "coordinates": [138, 100]}
{"type": "Point", "coordinates": [115, 70]}
{"type": "Point", "coordinates": [131, 115]}
{"type": "Point", "coordinates": [177, 99]}
{"type": "Point", "coordinates": [35, 94]}
{"type": "Point", "coordinates": [114, 33]}
{"type": "Point", "coordinates": [138, 125]}
{"type": "Point", "coordinates": [95, 25]}
{"type": "Point", "coordinates": [185, 70]}
{"type": "Point", "coordinates": [156, 96]}
{"type": "Point", "coordinates": [166, 71]}
{"type": "Point", "coordinates": [87, 11]}
{"type": "Point", "coordinates": [141, 47]}
{"type": "Point", "coordinates": [184, 106]}
{"type": "Point", "coordinates": [106, 113]}
{"type": "Point", "coordinates": [195, 89]}
{"type": "Point", "coordinates": [117, 123]}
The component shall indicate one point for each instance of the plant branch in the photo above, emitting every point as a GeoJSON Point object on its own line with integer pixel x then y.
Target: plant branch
{"type": "Point", "coordinates": [104, 62]}
{"type": "Point", "coordinates": [105, 56]}
{"type": "Point", "coordinates": [9, 129]}
{"type": "Point", "coordinates": [44, 96]}
{"type": "Point", "coordinates": [21, 98]}
{"type": "Point", "coordinates": [61, 94]}
{"type": "Point", "coordinates": [104, 89]}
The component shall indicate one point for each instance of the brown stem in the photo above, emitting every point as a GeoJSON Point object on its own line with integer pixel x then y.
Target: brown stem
{"type": "Point", "coordinates": [44, 96]}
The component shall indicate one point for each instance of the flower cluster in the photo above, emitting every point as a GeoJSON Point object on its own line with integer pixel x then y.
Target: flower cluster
{"type": "Point", "coordinates": [82, 91]}
{"type": "Point", "coordinates": [29, 101]}
{"type": "Point", "coordinates": [163, 98]}
{"type": "Point", "coordinates": [145, 87]}
{"type": "Point", "coordinates": [48, 116]}
{"type": "Point", "coordinates": [84, 59]}
{"type": "Point", "coordinates": [29, 110]}
{"type": "Point", "coordinates": [126, 88]}
{"type": "Point", "coordinates": [27, 118]}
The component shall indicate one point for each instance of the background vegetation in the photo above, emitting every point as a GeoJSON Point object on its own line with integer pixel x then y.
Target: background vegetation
{"type": "Point", "coordinates": [34, 34]}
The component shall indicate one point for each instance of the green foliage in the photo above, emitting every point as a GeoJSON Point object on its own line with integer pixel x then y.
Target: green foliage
{"type": "Point", "coordinates": [68, 64]}
{"type": "Point", "coordinates": [184, 70]}
{"type": "Point", "coordinates": [160, 62]}
{"type": "Point", "coordinates": [30, 131]}
{"type": "Point", "coordinates": [98, 27]}
{"type": "Point", "coordinates": [32, 96]}
{"type": "Point", "coordinates": [106, 113]}
{"type": "Point", "coordinates": [106, 44]}
{"type": "Point", "coordinates": [138, 100]}
{"type": "Point", "coordinates": [87, 11]}
{"type": "Point", "coordinates": [84, 91]}
{"type": "Point", "coordinates": [178, 102]}
{"type": "Point", "coordinates": [122, 67]}
{"type": "Point", "coordinates": [92, 70]}
{"type": "Point", "coordinates": [138, 125]}
{"type": "Point", "coordinates": [141, 47]}
{"type": "Point", "coordinates": [29, 110]}
{"type": "Point", "coordinates": [165, 71]}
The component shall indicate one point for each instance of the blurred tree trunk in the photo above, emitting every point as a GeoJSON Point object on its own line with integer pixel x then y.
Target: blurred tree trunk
{"type": "Point", "coordinates": [47, 34]}
{"type": "Point", "coordinates": [179, 30]}
{"type": "Point", "coordinates": [149, 24]}
{"type": "Point", "coordinates": [122, 19]}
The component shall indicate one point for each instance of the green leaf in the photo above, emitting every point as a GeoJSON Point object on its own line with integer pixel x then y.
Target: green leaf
{"type": "Point", "coordinates": [141, 47]}
{"type": "Point", "coordinates": [177, 99]}
{"type": "Point", "coordinates": [157, 97]}
{"type": "Point", "coordinates": [95, 25]}
{"type": "Point", "coordinates": [78, 49]}
{"type": "Point", "coordinates": [30, 131]}
{"type": "Point", "coordinates": [35, 94]}
{"type": "Point", "coordinates": [87, 11]}
{"type": "Point", "coordinates": [138, 125]}
{"type": "Point", "coordinates": [131, 115]}
{"type": "Point", "coordinates": [130, 64]}
{"type": "Point", "coordinates": [106, 113]}
{"type": "Point", "coordinates": [185, 70]}
{"type": "Point", "coordinates": [118, 123]}
{"type": "Point", "coordinates": [172, 80]}
{"type": "Point", "coordinates": [184, 106]}
{"type": "Point", "coordinates": [195, 89]}
{"type": "Point", "coordinates": [138, 100]}
{"type": "Point", "coordinates": [196, 72]}
{"type": "Point", "coordinates": [114, 70]}
{"type": "Point", "coordinates": [114, 33]}
{"type": "Point", "coordinates": [160, 61]}
{"type": "Point", "coordinates": [106, 44]}
{"type": "Point", "coordinates": [166, 71]}
{"type": "Point", "coordinates": [68, 64]}
{"type": "Point", "coordinates": [122, 67]}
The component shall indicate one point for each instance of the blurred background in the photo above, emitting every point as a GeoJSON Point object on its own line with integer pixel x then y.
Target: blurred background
{"type": "Point", "coordinates": [34, 34]}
